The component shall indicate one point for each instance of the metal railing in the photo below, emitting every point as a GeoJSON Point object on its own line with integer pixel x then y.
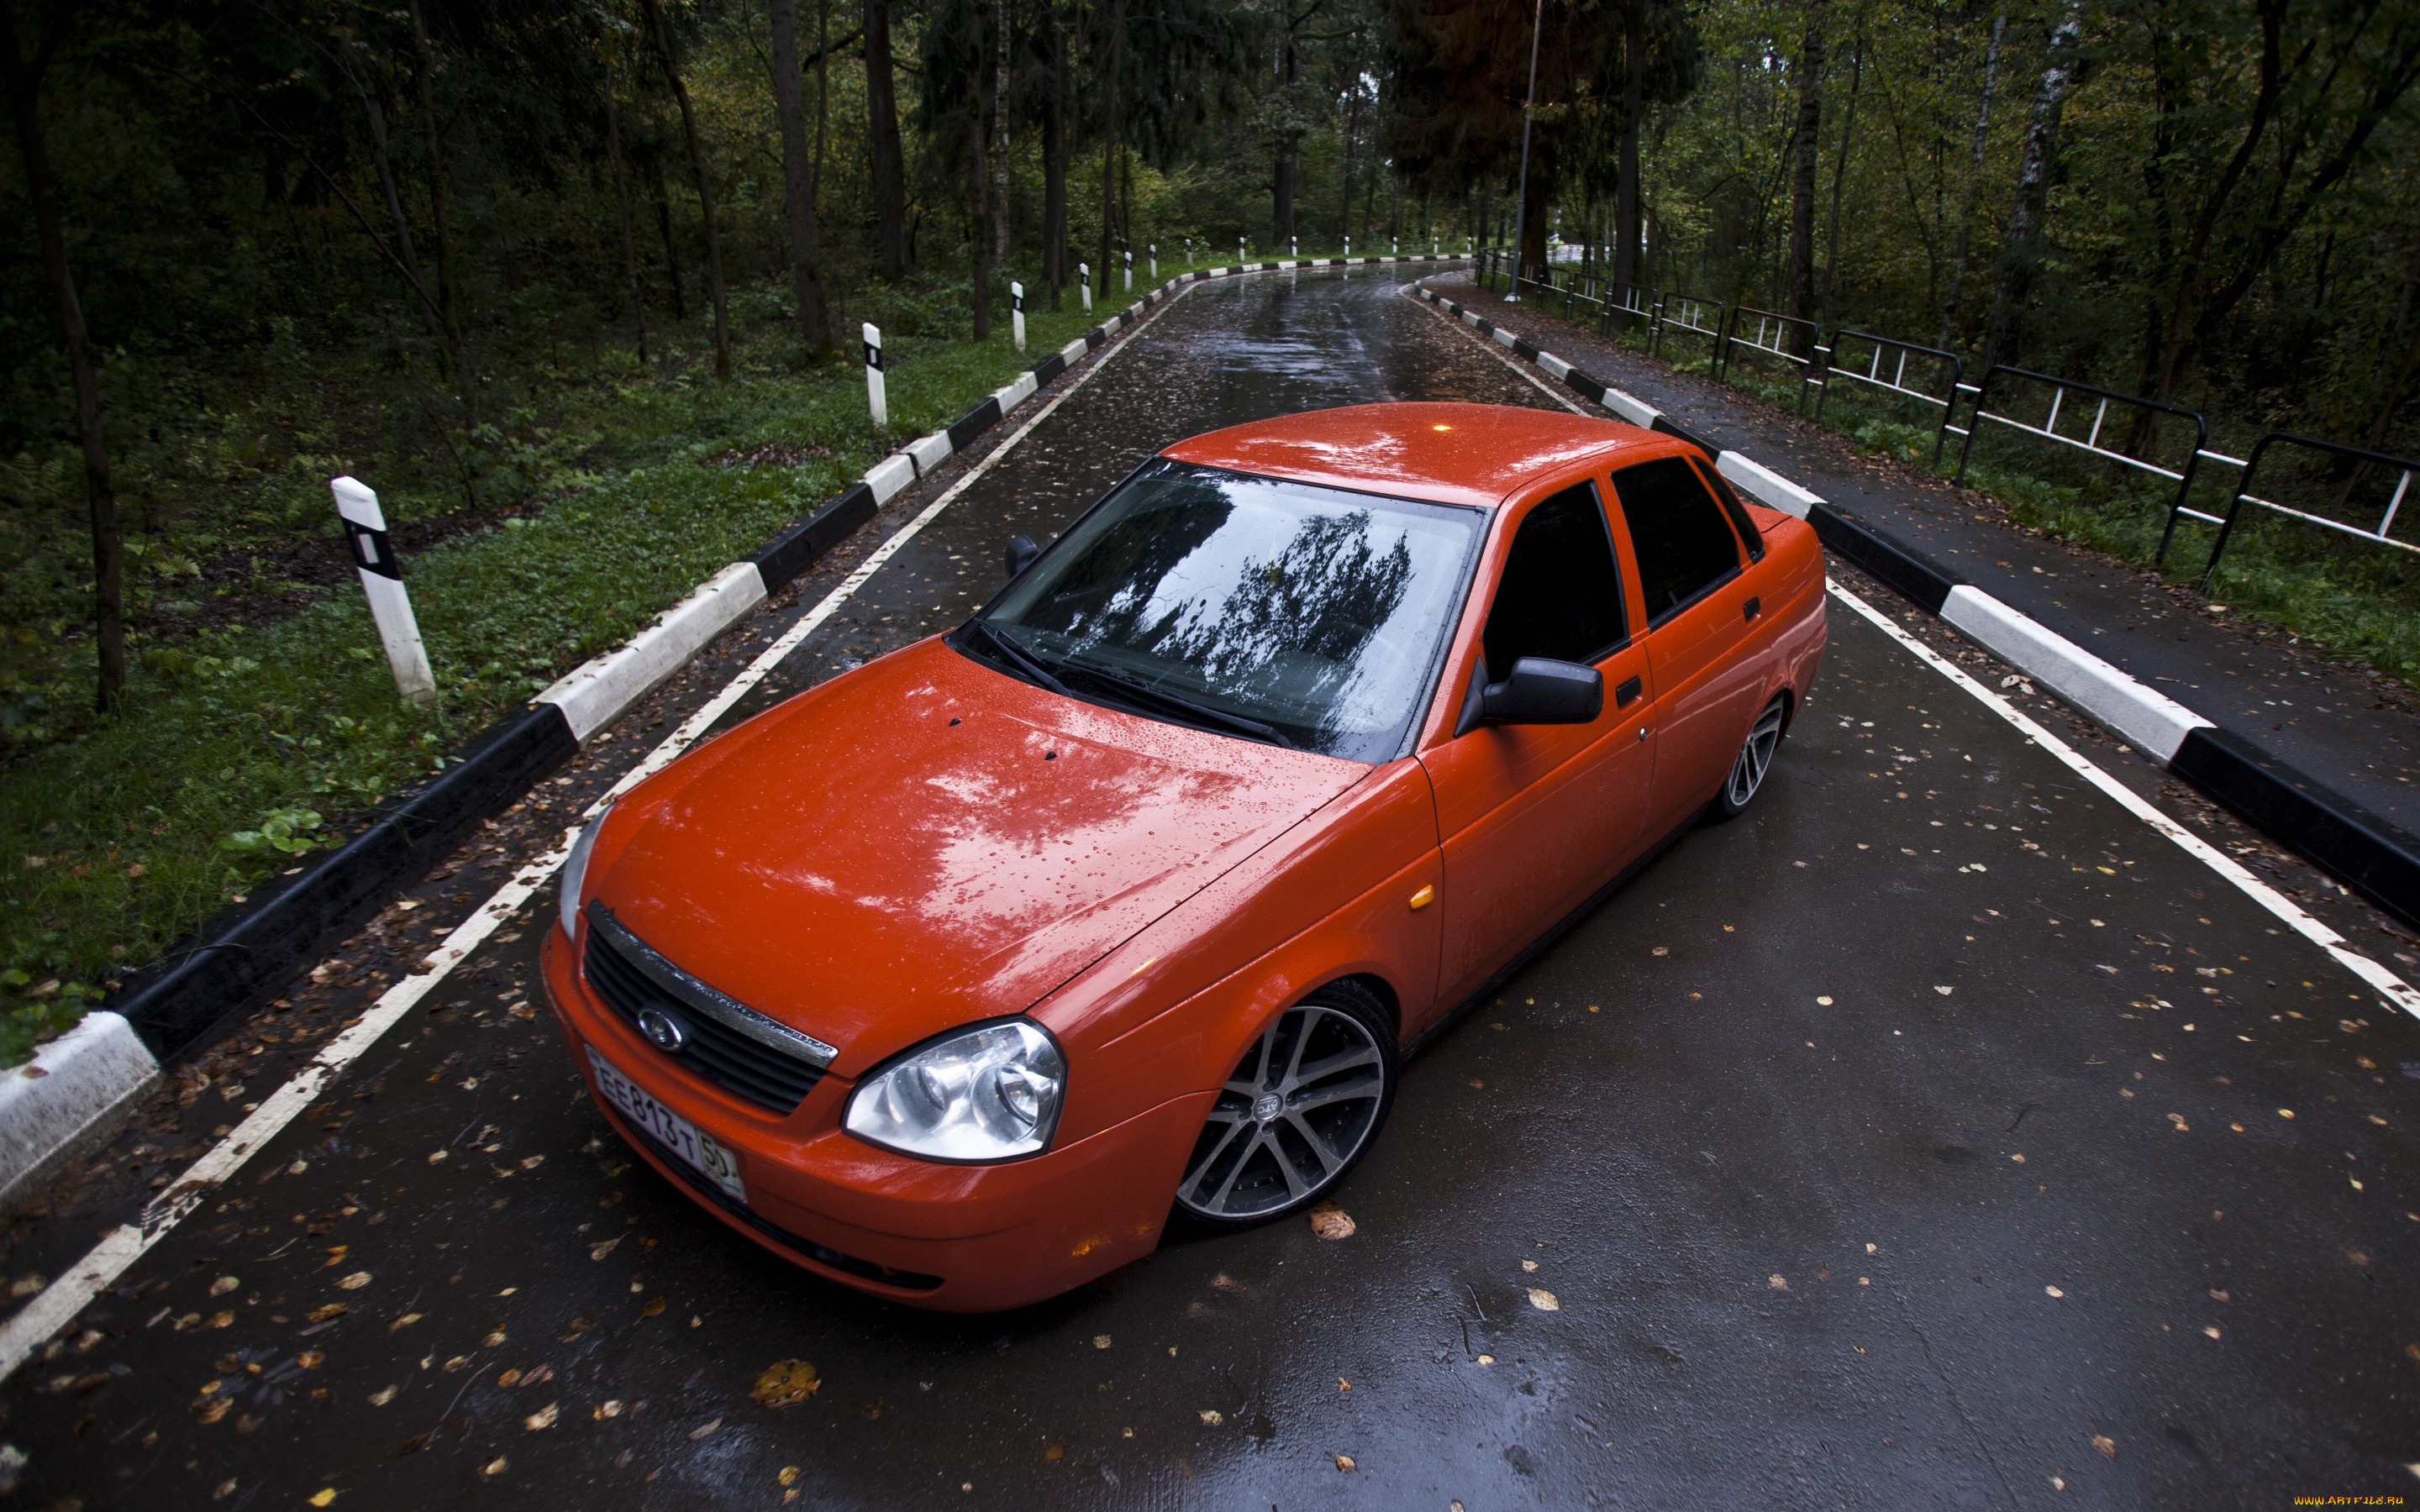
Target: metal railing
{"type": "Point", "coordinates": [1692, 314]}
{"type": "Point", "coordinates": [1772, 329]}
{"type": "Point", "coordinates": [1935, 377]}
{"type": "Point", "coordinates": [1633, 303]}
{"type": "Point", "coordinates": [1885, 368]}
{"type": "Point", "coordinates": [2402, 467]}
{"type": "Point", "coordinates": [2048, 430]}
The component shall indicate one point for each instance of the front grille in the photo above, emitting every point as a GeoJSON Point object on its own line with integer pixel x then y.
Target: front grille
{"type": "Point", "coordinates": [712, 1049]}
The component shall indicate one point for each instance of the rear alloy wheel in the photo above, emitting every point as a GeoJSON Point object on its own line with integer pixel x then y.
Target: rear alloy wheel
{"type": "Point", "coordinates": [1755, 760]}
{"type": "Point", "coordinates": [1302, 1105]}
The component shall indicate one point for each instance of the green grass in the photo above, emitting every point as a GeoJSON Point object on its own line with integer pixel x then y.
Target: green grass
{"type": "Point", "coordinates": [242, 751]}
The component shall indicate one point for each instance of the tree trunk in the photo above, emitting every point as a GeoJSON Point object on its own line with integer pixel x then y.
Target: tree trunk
{"type": "Point", "coordinates": [2177, 341]}
{"type": "Point", "coordinates": [449, 282]}
{"type": "Point", "coordinates": [1626, 189]}
{"type": "Point", "coordinates": [622, 199]}
{"type": "Point", "coordinates": [664, 228]}
{"type": "Point", "coordinates": [704, 190]}
{"type": "Point", "coordinates": [1352, 131]}
{"type": "Point", "coordinates": [1531, 253]}
{"type": "Point", "coordinates": [1054, 159]}
{"type": "Point", "coordinates": [2023, 258]}
{"type": "Point", "coordinates": [1282, 173]}
{"type": "Point", "coordinates": [889, 173]}
{"type": "Point", "coordinates": [1285, 153]}
{"type": "Point", "coordinates": [798, 192]}
{"type": "Point", "coordinates": [1974, 183]}
{"type": "Point", "coordinates": [1110, 137]}
{"type": "Point", "coordinates": [979, 101]}
{"type": "Point", "coordinates": [823, 103]}
{"type": "Point", "coordinates": [999, 164]}
{"type": "Point", "coordinates": [1805, 145]}
{"type": "Point", "coordinates": [108, 570]}
{"type": "Point", "coordinates": [1839, 176]}
{"type": "Point", "coordinates": [398, 225]}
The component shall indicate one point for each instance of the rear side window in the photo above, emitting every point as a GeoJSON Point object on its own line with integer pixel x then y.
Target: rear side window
{"type": "Point", "coordinates": [1732, 507]}
{"type": "Point", "coordinates": [1685, 545]}
{"type": "Point", "coordinates": [1561, 592]}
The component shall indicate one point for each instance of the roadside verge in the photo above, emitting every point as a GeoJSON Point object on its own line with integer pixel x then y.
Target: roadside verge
{"type": "Point", "coordinates": [2364, 851]}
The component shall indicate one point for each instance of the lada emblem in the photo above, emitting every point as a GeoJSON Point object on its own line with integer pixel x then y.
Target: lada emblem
{"type": "Point", "coordinates": [662, 1030]}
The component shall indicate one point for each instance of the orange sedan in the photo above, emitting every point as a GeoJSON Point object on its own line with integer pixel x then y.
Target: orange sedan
{"type": "Point", "coordinates": [959, 976]}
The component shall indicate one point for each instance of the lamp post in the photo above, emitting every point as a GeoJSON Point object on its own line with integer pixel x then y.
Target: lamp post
{"type": "Point", "coordinates": [1521, 206]}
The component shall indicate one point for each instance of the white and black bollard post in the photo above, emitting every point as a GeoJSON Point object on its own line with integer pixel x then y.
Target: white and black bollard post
{"type": "Point", "coordinates": [1084, 281]}
{"type": "Point", "coordinates": [382, 580]}
{"type": "Point", "coordinates": [1348, 247]}
{"type": "Point", "coordinates": [1395, 246]}
{"type": "Point", "coordinates": [1239, 249]}
{"type": "Point", "coordinates": [1131, 269]}
{"type": "Point", "coordinates": [1293, 247]}
{"type": "Point", "coordinates": [1016, 311]}
{"type": "Point", "coordinates": [875, 399]}
{"type": "Point", "coordinates": [1155, 262]}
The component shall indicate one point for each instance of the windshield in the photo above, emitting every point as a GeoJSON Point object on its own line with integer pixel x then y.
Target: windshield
{"type": "Point", "coordinates": [1276, 611]}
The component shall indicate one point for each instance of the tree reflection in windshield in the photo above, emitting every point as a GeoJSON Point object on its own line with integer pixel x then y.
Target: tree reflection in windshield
{"type": "Point", "coordinates": [1311, 609]}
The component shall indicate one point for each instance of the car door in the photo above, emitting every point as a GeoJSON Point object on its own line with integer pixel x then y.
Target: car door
{"type": "Point", "coordinates": [1532, 818]}
{"type": "Point", "coordinates": [1700, 608]}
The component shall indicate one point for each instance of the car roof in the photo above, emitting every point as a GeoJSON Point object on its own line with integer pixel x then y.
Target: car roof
{"type": "Point", "coordinates": [1454, 454]}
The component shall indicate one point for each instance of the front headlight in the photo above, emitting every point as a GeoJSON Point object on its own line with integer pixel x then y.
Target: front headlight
{"type": "Point", "coordinates": [982, 1094]}
{"type": "Point", "coordinates": [574, 872]}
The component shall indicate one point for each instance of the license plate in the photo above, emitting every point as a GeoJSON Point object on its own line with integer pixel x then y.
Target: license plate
{"type": "Point", "coordinates": [691, 1145]}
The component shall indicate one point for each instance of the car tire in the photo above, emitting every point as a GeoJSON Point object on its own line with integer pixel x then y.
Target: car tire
{"type": "Point", "coordinates": [1305, 1102]}
{"type": "Point", "coordinates": [1754, 761]}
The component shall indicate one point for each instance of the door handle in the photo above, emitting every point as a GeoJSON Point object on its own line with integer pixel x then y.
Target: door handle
{"type": "Point", "coordinates": [1627, 694]}
{"type": "Point", "coordinates": [1753, 608]}
{"type": "Point", "coordinates": [1642, 732]}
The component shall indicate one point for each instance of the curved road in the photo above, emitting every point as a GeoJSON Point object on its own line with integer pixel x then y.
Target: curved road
{"type": "Point", "coordinates": [1940, 1134]}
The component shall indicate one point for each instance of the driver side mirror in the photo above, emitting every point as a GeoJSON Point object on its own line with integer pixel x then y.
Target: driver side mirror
{"type": "Point", "coordinates": [1021, 555]}
{"type": "Point", "coordinates": [1544, 691]}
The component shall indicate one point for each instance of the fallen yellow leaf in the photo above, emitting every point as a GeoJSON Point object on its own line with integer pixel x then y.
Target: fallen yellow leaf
{"type": "Point", "coordinates": [785, 1382]}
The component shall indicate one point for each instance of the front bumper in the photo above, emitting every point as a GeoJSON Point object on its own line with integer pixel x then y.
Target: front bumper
{"type": "Point", "coordinates": [953, 1237]}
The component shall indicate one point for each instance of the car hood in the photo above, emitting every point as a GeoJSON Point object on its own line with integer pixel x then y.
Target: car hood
{"type": "Point", "coordinates": [926, 842]}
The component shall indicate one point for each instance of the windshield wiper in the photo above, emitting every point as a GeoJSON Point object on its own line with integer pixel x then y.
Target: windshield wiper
{"type": "Point", "coordinates": [1022, 660]}
{"type": "Point", "coordinates": [1179, 704]}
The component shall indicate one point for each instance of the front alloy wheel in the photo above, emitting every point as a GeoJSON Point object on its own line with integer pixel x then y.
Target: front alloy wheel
{"type": "Point", "coordinates": [1755, 760]}
{"type": "Point", "coordinates": [1300, 1108]}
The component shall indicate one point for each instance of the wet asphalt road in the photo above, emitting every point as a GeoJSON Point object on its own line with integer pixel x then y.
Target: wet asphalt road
{"type": "Point", "coordinates": [1935, 1136]}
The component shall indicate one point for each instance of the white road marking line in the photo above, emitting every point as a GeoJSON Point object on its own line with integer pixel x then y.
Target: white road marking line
{"type": "Point", "coordinates": [2397, 992]}
{"type": "Point", "coordinates": [1523, 373]}
{"type": "Point", "coordinates": [58, 1304]}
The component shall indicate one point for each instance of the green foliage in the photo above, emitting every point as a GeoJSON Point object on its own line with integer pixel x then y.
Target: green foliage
{"type": "Point", "coordinates": [247, 749]}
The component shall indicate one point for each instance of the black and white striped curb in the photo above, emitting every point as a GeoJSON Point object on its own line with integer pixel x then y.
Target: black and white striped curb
{"type": "Point", "coordinates": [2366, 852]}
{"type": "Point", "coordinates": [71, 1098]}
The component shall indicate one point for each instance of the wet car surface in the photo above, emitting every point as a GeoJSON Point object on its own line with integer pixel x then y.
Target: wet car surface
{"type": "Point", "coordinates": [1936, 1135]}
